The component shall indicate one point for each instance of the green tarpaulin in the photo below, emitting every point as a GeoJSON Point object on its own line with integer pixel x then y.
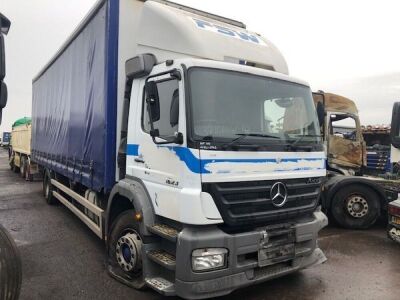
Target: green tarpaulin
{"type": "Point", "coordinates": [23, 121]}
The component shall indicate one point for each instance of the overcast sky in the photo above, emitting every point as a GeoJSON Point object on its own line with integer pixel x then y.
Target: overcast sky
{"type": "Point", "coordinates": [347, 47]}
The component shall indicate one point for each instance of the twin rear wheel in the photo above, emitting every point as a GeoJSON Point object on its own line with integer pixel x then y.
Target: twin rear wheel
{"type": "Point", "coordinates": [25, 169]}
{"type": "Point", "coordinates": [356, 207]}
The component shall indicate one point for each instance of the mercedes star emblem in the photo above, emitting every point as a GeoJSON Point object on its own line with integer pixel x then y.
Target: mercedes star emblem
{"type": "Point", "coordinates": [279, 194]}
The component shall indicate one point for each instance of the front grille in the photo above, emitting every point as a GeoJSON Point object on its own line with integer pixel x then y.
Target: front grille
{"type": "Point", "coordinates": [247, 203]}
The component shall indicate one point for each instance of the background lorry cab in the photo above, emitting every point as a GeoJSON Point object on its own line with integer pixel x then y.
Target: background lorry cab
{"type": "Point", "coordinates": [351, 199]}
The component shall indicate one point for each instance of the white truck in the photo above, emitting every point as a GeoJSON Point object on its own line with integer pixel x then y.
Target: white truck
{"type": "Point", "coordinates": [178, 137]}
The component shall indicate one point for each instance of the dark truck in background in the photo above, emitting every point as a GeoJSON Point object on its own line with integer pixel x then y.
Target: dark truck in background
{"type": "Point", "coordinates": [6, 138]}
{"type": "Point", "coordinates": [394, 207]}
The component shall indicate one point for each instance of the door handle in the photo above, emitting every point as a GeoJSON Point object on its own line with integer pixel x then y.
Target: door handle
{"type": "Point", "coordinates": [139, 160]}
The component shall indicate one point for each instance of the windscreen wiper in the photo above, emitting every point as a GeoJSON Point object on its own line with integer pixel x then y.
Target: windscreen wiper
{"type": "Point", "coordinates": [300, 138]}
{"type": "Point", "coordinates": [245, 135]}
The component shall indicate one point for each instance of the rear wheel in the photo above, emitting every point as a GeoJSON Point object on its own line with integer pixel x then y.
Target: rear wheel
{"type": "Point", "coordinates": [356, 207]}
{"type": "Point", "coordinates": [14, 167]}
{"type": "Point", "coordinates": [11, 163]}
{"type": "Point", "coordinates": [28, 175]}
{"type": "Point", "coordinates": [22, 169]}
{"type": "Point", "coordinates": [48, 189]}
{"type": "Point", "coordinates": [125, 250]}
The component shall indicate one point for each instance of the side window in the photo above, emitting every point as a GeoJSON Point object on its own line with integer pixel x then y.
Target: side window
{"type": "Point", "coordinates": [343, 126]}
{"type": "Point", "coordinates": [168, 93]}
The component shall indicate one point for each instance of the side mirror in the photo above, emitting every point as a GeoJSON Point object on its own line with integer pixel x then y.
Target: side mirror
{"type": "Point", "coordinates": [4, 24]}
{"type": "Point", "coordinates": [2, 58]}
{"type": "Point", "coordinates": [153, 101]}
{"type": "Point", "coordinates": [321, 113]}
{"type": "Point", "coordinates": [174, 110]}
{"type": "Point", "coordinates": [3, 97]}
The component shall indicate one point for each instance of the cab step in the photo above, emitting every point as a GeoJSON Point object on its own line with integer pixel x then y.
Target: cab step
{"type": "Point", "coordinates": [164, 231]}
{"type": "Point", "coordinates": [163, 258]}
{"type": "Point", "coordinates": [161, 285]}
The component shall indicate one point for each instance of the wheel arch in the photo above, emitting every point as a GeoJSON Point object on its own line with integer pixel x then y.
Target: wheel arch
{"type": "Point", "coordinates": [334, 184]}
{"type": "Point", "coordinates": [127, 194]}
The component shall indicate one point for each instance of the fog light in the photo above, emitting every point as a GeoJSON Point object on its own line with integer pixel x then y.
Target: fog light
{"type": "Point", "coordinates": [209, 259]}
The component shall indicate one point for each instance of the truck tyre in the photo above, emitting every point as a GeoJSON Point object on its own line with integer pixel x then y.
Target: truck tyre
{"type": "Point", "coordinates": [125, 250]}
{"type": "Point", "coordinates": [22, 169]}
{"type": "Point", "coordinates": [48, 189]}
{"type": "Point", "coordinates": [356, 207]}
{"type": "Point", "coordinates": [14, 168]}
{"type": "Point", "coordinates": [28, 175]}
{"type": "Point", "coordinates": [12, 164]}
{"type": "Point", "coordinates": [10, 267]}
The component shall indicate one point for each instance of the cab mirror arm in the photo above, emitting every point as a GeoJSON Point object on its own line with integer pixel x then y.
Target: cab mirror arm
{"type": "Point", "coordinates": [175, 139]}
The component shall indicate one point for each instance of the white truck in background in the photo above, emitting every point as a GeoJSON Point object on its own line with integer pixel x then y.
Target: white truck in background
{"type": "Point", "coordinates": [178, 137]}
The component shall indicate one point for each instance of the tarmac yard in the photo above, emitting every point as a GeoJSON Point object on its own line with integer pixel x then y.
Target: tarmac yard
{"type": "Point", "coordinates": [63, 259]}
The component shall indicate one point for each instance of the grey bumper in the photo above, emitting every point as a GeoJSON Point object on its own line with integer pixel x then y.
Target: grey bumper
{"type": "Point", "coordinates": [244, 268]}
{"type": "Point", "coordinates": [394, 233]}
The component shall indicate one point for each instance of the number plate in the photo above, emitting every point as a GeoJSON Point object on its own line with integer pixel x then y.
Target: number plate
{"type": "Point", "coordinates": [276, 254]}
{"type": "Point", "coordinates": [395, 220]}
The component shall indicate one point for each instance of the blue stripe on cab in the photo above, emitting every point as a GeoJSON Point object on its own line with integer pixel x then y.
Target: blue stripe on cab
{"type": "Point", "coordinates": [198, 166]}
{"type": "Point", "coordinates": [132, 150]}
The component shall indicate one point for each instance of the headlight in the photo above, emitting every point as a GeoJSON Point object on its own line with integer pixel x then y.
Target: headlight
{"type": "Point", "coordinates": [209, 259]}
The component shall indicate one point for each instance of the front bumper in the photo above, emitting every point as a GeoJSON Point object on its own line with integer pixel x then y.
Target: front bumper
{"type": "Point", "coordinates": [394, 233]}
{"type": "Point", "coordinates": [393, 229]}
{"type": "Point", "coordinates": [244, 266]}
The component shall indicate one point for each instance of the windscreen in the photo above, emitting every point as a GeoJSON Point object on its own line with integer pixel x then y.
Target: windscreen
{"type": "Point", "coordinates": [227, 105]}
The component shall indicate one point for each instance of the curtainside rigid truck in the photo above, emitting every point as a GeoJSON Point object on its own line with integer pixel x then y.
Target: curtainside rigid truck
{"type": "Point", "coordinates": [177, 137]}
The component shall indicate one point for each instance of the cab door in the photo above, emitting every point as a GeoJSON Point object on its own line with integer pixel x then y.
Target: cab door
{"type": "Point", "coordinates": [345, 141]}
{"type": "Point", "coordinates": [158, 161]}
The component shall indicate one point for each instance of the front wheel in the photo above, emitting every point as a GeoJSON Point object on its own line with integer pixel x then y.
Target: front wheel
{"type": "Point", "coordinates": [356, 207]}
{"type": "Point", "coordinates": [125, 250]}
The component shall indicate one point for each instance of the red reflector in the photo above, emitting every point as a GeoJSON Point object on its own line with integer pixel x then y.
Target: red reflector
{"type": "Point", "coordinates": [394, 210]}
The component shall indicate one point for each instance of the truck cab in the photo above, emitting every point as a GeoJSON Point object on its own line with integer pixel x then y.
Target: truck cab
{"type": "Point", "coordinates": [213, 123]}
{"type": "Point", "coordinates": [342, 133]}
